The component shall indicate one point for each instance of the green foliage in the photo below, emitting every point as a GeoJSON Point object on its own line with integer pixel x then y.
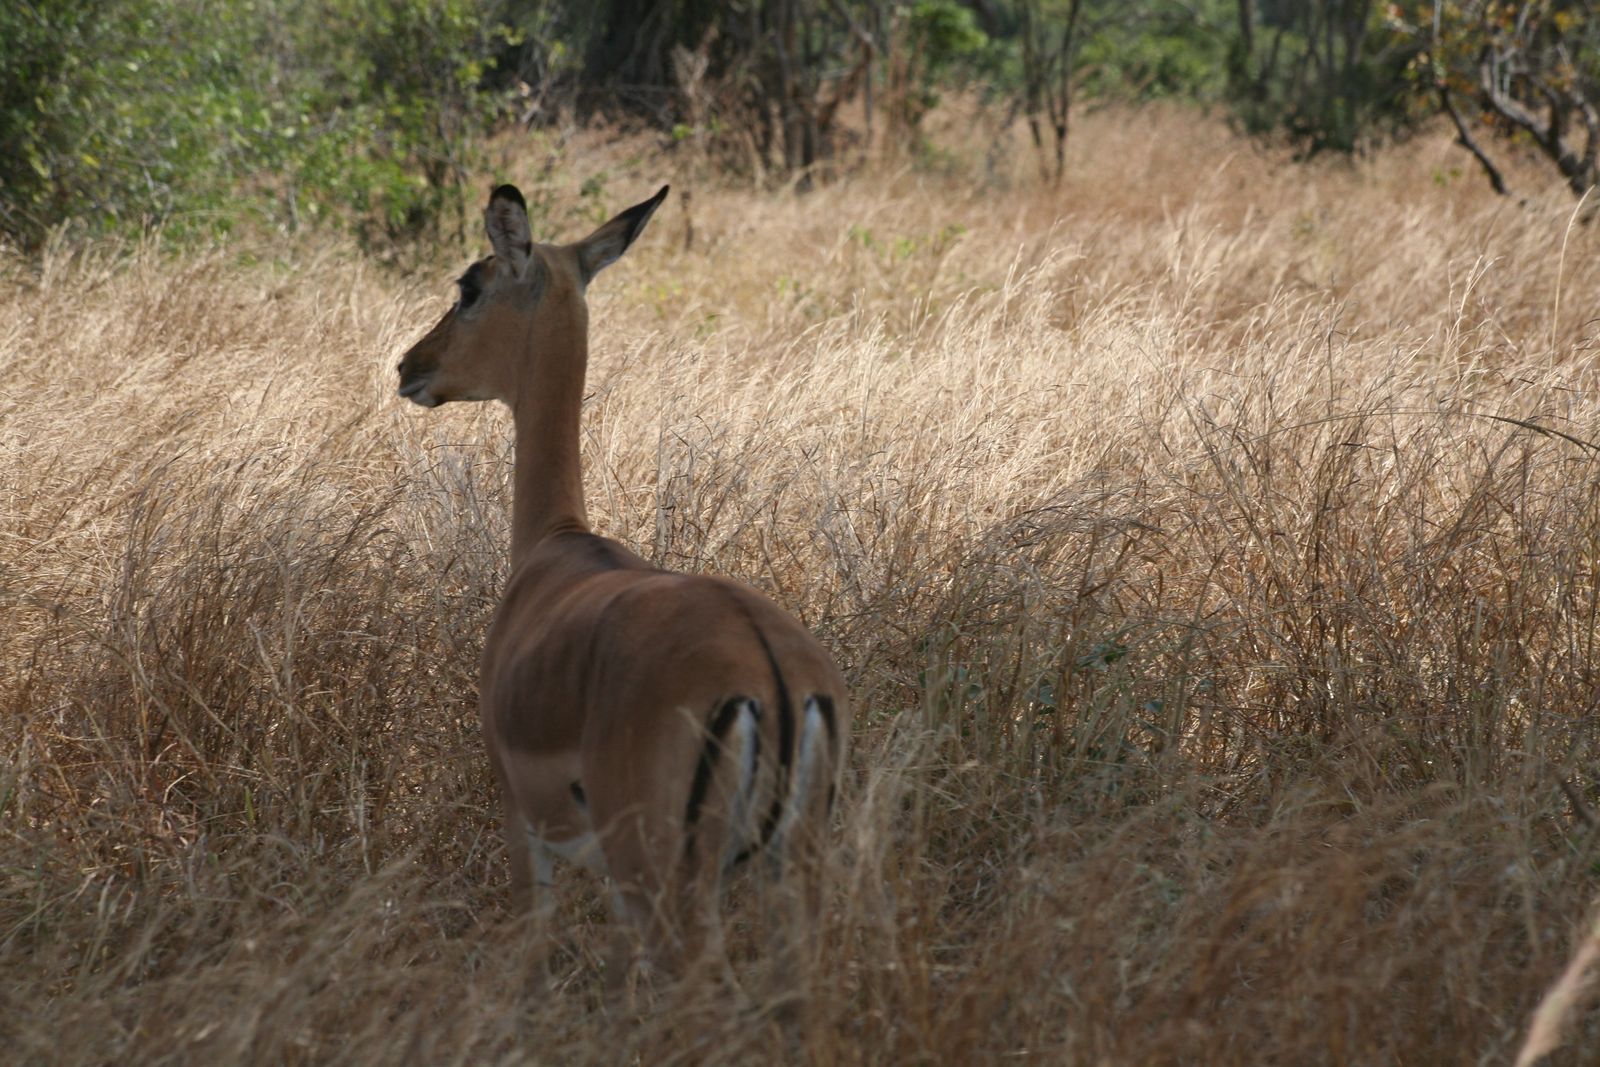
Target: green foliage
{"type": "Point", "coordinates": [1329, 74]}
{"type": "Point", "coordinates": [112, 112]}
{"type": "Point", "coordinates": [946, 46]}
{"type": "Point", "coordinates": [124, 114]}
{"type": "Point", "coordinates": [1172, 49]}
{"type": "Point", "coordinates": [1154, 49]}
{"type": "Point", "coordinates": [392, 110]}
{"type": "Point", "coordinates": [945, 34]}
{"type": "Point", "coordinates": [196, 115]}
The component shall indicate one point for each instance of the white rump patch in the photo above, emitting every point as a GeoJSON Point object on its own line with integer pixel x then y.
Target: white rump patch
{"type": "Point", "coordinates": [742, 743]}
{"type": "Point", "coordinates": [813, 738]}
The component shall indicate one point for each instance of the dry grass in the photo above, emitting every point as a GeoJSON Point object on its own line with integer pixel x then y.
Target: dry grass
{"type": "Point", "coordinates": [1226, 672]}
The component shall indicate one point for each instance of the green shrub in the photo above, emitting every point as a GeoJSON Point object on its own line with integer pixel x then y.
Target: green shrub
{"type": "Point", "coordinates": [1328, 74]}
{"type": "Point", "coordinates": [109, 112]}
{"type": "Point", "coordinates": [197, 114]}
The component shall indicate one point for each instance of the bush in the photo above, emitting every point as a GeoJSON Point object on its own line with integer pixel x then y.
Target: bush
{"type": "Point", "coordinates": [193, 115]}
{"type": "Point", "coordinates": [109, 111]}
{"type": "Point", "coordinates": [1329, 74]}
{"type": "Point", "coordinates": [392, 110]}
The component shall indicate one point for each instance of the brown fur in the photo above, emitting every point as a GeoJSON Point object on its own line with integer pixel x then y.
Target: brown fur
{"type": "Point", "coordinates": [600, 672]}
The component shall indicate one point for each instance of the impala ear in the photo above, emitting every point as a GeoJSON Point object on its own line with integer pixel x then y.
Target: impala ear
{"type": "Point", "coordinates": [605, 246]}
{"type": "Point", "coordinates": [506, 220]}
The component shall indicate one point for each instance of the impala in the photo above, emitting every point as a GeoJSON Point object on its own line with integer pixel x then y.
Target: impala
{"type": "Point", "coordinates": [658, 728]}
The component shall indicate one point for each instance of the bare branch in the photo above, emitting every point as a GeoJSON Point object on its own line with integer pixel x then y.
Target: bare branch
{"type": "Point", "coordinates": [1465, 139]}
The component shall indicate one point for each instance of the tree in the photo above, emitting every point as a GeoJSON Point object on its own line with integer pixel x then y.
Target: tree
{"type": "Point", "coordinates": [1526, 70]}
{"type": "Point", "coordinates": [1048, 52]}
{"type": "Point", "coordinates": [1324, 71]}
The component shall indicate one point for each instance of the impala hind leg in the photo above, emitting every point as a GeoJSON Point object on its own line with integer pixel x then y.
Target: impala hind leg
{"type": "Point", "coordinates": [677, 929]}
{"type": "Point", "coordinates": [645, 956]}
{"type": "Point", "coordinates": [789, 897]}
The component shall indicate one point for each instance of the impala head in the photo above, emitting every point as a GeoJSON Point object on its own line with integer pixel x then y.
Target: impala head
{"type": "Point", "coordinates": [512, 304]}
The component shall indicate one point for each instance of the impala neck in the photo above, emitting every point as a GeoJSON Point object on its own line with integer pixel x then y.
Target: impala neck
{"type": "Point", "coordinates": [547, 494]}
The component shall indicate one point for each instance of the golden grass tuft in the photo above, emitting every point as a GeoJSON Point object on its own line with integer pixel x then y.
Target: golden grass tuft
{"type": "Point", "coordinates": [1221, 623]}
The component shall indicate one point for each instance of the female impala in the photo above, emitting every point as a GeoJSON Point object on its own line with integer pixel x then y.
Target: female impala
{"type": "Point", "coordinates": [655, 727]}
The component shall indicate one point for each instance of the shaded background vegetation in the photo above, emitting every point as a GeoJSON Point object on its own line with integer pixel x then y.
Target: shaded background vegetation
{"type": "Point", "coordinates": [195, 115]}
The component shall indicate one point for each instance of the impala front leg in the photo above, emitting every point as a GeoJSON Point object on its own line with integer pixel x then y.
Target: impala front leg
{"type": "Point", "coordinates": [678, 928]}
{"type": "Point", "coordinates": [541, 868]}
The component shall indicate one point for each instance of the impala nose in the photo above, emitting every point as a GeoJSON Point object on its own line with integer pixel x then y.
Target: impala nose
{"type": "Point", "coordinates": [416, 391]}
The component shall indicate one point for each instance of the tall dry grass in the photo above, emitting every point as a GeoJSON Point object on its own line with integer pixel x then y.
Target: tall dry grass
{"type": "Point", "coordinates": [1222, 628]}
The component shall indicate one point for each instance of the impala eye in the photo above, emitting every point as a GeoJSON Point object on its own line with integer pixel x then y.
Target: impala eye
{"type": "Point", "coordinates": [469, 293]}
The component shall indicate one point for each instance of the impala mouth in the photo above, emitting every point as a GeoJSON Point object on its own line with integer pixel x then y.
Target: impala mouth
{"type": "Point", "coordinates": [416, 391]}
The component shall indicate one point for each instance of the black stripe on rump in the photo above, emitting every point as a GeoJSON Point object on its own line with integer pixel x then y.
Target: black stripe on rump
{"type": "Point", "coordinates": [825, 705]}
{"type": "Point", "coordinates": [769, 822]}
{"type": "Point", "coordinates": [716, 735]}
